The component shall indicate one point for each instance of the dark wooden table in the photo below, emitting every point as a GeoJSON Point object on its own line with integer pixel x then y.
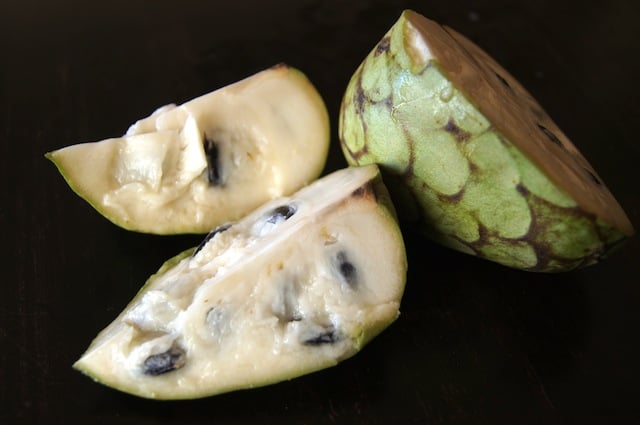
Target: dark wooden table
{"type": "Point", "coordinates": [477, 343]}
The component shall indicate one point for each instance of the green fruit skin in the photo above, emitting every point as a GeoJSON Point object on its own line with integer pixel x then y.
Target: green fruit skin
{"type": "Point", "coordinates": [454, 175]}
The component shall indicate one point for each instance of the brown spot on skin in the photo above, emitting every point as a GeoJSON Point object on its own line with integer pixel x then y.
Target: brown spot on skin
{"type": "Point", "coordinates": [360, 97]}
{"type": "Point", "coordinates": [543, 215]}
{"type": "Point", "coordinates": [452, 128]}
{"type": "Point", "coordinates": [543, 249]}
{"type": "Point", "coordinates": [356, 155]}
{"type": "Point", "coordinates": [452, 199]}
{"type": "Point", "coordinates": [383, 46]}
{"type": "Point", "coordinates": [408, 173]}
{"type": "Point", "coordinates": [483, 233]}
{"type": "Point", "coordinates": [540, 208]}
{"type": "Point", "coordinates": [522, 190]}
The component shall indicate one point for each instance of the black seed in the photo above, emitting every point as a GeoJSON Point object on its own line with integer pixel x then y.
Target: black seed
{"type": "Point", "coordinates": [281, 213]}
{"type": "Point", "coordinates": [210, 236]}
{"type": "Point", "coordinates": [158, 364]}
{"type": "Point", "coordinates": [212, 153]}
{"type": "Point", "coordinates": [552, 137]}
{"type": "Point", "coordinates": [502, 80]}
{"type": "Point", "coordinates": [347, 269]}
{"type": "Point", "coordinates": [328, 337]}
{"type": "Point", "coordinates": [595, 178]}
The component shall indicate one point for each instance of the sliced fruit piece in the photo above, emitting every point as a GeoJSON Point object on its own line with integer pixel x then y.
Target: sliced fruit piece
{"type": "Point", "coordinates": [296, 286]}
{"type": "Point", "coordinates": [472, 156]}
{"type": "Point", "coordinates": [189, 168]}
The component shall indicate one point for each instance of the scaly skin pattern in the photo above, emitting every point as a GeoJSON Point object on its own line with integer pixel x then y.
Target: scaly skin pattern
{"type": "Point", "coordinates": [468, 187]}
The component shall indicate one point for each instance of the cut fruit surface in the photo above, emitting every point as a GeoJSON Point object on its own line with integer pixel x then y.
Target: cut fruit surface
{"type": "Point", "coordinates": [472, 156]}
{"type": "Point", "coordinates": [298, 285]}
{"type": "Point", "coordinates": [188, 168]}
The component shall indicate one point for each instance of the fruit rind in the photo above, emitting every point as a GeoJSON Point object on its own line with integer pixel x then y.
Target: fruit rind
{"type": "Point", "coordinates": [444, 130]}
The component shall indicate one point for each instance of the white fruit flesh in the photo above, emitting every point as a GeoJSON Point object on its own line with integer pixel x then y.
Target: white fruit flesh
{"type": "Point", "coordinates": [189, 168]}
{"type": "Point", "coordinates": [296, 286]}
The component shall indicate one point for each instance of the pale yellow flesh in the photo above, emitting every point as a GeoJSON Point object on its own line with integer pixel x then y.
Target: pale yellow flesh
{"type": "Point", "coordinates": [272, 131]}
{"type": "Point", "coordinates": [245, 273]}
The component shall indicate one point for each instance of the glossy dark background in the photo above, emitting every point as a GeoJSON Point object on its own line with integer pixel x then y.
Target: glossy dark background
{"type": "Point", "coordinates": [476, 344]}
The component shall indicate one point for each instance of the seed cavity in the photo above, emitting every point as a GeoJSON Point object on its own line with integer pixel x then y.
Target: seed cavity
{"type": "Point", "coordinates": [210, 236]}
{"type": "Point", "coordinates": [346, 269]}
{"type": "Point", "coordinates": [272, 219]}
{"type": "Point", "coordinates": [214, 169]}
{"type": "Point", "coordinates": [216, 320]}
{"type": "Point", "coordinates": [285, 305]}
{"type": "Point", "coordinates": [281, 213]}
{"type": "Point", "coordinates": [502, 80]}
{"type": "Point", "coordinates": [328, 336]}
{"type": "Point", "coordinates": [594, 178]}
{"type": "Point", "coordinates": [552, 137]}
{"type": "Point", "coordinates": [158, 364]}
